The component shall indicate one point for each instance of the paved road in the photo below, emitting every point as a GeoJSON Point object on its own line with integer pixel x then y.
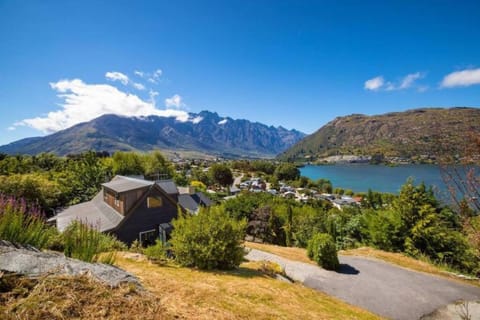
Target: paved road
{"type": "Point", "coordinates": [382, 288]}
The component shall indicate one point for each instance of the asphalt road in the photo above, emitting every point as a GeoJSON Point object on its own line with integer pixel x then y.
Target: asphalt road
{"type": "Point", "coordinates": [379, 287]}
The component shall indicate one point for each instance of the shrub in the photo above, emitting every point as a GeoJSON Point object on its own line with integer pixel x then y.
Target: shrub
{"type": "Point", "coordinates": [22, 224]}
{"type": "Point", "coordinates": [158, 253]}
{"type": "Point", "coordinates": [209, 240]}
{"type": "Point", "coordinates": [321, 248]}
{"type": "Point", "coordinates": [82, 241]}
{"type": "Point", "coordinates": [136, 246]}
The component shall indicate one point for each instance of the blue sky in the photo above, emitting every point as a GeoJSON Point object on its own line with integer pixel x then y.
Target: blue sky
{"type": "Point", "coordinates": [297, 64]}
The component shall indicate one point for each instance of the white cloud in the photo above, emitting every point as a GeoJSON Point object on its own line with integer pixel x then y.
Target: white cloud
{"type": "Point", "coordinates": [117, 76]}
{"type": "Point", "coordinates": [152, 77]}
{"type": "Point", "coordinates": [11, 128]}
{"type": "Point", "coordinates": [124, 79]}
{"type": "Point", "coordinates": [409, 79]}
{"type": "Point", "coordinates": [389, 86]}
{"type": "Point", "coordinates": [138, 86]}
{"type": "Point", "coordinates": [222, 122]}
{"type": "Point", "coordinates": [379, 83]}
{"type": "Point", "coordinates": [174, 101]}
{"type": "Point", "coordinates": [197, 119]}
{"type": "Point", "coordinates": [84, 102]}
{"type": "Point", "coordinates": [374, 83]}
{"type": "Point", "coordinates": [462, 78]}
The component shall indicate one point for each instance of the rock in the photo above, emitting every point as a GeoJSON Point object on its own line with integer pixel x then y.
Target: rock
{"type": "Point", "coordinates": [33, 263]}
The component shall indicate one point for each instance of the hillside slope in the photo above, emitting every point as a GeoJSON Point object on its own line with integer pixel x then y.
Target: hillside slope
{"type": "Point", "coordinates": [410, 134]}
{"type": "Point", "coordinates": [208, 133]}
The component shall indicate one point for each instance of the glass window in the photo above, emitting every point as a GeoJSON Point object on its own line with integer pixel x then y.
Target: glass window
{"type": "Point", "coordinates": [154, 202]}
{"type": "Point", "coordinates": [147, 238]}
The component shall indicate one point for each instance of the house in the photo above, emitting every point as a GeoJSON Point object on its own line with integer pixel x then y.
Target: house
{"type": "Point", "coordinates": [191, 200]}
{"type": "Point", "coordinates": [129, 208]}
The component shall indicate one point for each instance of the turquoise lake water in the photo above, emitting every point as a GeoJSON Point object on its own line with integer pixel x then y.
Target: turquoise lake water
{"type": "Point", "coordinates": [361, 177]}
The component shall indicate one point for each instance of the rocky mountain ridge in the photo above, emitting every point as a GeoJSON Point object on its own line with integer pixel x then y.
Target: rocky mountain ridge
{"type": "Point", "coordinates": [205, 132]}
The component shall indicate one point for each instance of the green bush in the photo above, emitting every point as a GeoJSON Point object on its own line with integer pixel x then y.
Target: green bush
{"type": "Point", "coordinates": [321, 248]}
{"type": "Point", "coordinates": [158, 253]}
{"type": "Point", "coordinates": [82, 241]}
{"type": "Point", "coordinates": [209, 240]}
{"type": "Point", "coordinates": [22, 224]}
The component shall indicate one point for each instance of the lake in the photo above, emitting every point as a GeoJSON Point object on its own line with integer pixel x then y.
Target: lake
{"type": "Point", "coordinates": [361, 177]}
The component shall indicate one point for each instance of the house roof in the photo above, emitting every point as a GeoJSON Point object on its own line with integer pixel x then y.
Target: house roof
{"type": "Point", "coordinates": [95, 212]}
{"type": "Point", "coordinates": [121, 184]}
{"type": "Point", "coordinates": [168, 186]}
{"type": "Point", "coordinates": [103, 217]}
{"type": "Point", "coordinates": [192, 202]}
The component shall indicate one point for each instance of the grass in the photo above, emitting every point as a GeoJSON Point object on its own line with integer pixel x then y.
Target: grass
{"type": "Point", "coordinates": [244, 293]}
{"type": "Point", "coordinates": [401, 260]}
{"type": "Point", "coordinates": [292, 253]}
{"type": "Point", "coordinates": [172, 292]}
{"type": "Point", "coordinates": [80, 297]}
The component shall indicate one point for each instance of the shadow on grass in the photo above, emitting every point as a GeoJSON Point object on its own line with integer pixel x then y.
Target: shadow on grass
{"type": "Point", "coordinates": [347, 269]}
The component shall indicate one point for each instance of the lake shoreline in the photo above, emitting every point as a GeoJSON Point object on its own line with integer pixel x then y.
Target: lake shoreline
{"type": "Point", "coordinates": [360, 177]}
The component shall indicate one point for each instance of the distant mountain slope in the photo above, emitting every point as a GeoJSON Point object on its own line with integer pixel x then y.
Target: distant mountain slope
{"type": "Point", "coordinates": [212, 135]}
{"type": "Point", "coordinates": [401, 134]}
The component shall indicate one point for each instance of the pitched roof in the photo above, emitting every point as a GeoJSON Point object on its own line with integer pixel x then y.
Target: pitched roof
{"type": "Point", "coordinates": [95, 212]}
{"type": "Point", "coordinates": [192, 202]}
{"type": "Point", "coordinates": [121, 184]}
{"type": "Point", "coordinates": [168, 186]}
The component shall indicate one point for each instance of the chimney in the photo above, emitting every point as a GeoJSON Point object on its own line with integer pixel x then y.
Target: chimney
{"type": "Point", "coordinates": [191, 190]}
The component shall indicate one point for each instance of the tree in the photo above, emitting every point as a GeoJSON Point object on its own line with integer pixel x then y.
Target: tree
{"type": "Point", "coordinates": [127, 163]}
{"type": "Point", "coordinates": [221, 174]}
{"type": "Point", "coordinates": [321, 248]}
{"type": "Point", "coordinates": [461, 175]}
{"type": "Point", "coordinates": [264, 225]}
{"type": "Point", "coordinates": [209, 240]}
{"type": "Point", "coordinates": [324, 185]}
{"type": "Point", "coordinates": [288, 227]}
{"type": "Point", "coordinates": [287, 172]}
{"type": "Point", "coordinates": [155, 166]}
{"type": "Point", "coordinates": [84, 177]}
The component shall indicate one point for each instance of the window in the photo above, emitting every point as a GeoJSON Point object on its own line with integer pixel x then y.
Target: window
{"type": "Point", "coordinates": [148, 237]}
{"type": "Point", "coordinates": [154, 202]}
{"type": "Point", "coordinates": [117, 201]}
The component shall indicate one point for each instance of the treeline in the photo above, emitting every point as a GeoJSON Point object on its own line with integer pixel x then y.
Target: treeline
{"type": "Point", "coordinates": [412, 222]}
{"type": "Point", "coordinates": [52, 182]}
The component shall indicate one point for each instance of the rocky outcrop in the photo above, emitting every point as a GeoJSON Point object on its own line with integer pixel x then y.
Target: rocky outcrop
{"type": "Point", "coordinates": [31, 262]}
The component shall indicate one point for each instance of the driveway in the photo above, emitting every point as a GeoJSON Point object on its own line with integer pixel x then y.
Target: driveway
{"type": "Point", "coordinates": [379, 287]}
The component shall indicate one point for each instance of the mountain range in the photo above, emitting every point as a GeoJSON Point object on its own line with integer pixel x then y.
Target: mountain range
{"type": "Point", "coordinates": [205, 132]}
{"type": "Point", "coordinates": [425, 132]}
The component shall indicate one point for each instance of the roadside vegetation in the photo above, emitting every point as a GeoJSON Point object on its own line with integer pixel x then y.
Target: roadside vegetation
{"type": "Point", "coordinates": [412, 222]}
{"type": "Point", "coordinates": [395, 228]}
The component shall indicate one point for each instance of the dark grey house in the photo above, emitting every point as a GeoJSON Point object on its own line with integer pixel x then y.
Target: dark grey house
{"type": "Point", "coordinates": [130, 209]}
{"type": "Point", "coordinates": [192, 200]}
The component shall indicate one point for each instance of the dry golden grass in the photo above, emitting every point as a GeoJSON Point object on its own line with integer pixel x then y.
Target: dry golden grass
{"type": "Point", "coordinates": [245, 293]}
{"type": "Point", "coordinates": [80, 297]}
{"type": "Point", "coordinates": [296, 254]}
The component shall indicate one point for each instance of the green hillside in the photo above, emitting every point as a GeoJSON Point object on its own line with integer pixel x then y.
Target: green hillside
{"type": "Point", "coordinates": [414, 134]}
